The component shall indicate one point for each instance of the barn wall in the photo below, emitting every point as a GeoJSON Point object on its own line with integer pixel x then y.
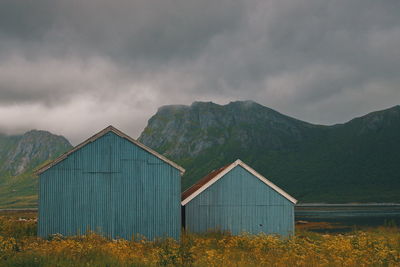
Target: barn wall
{"type": "Point", "coordinates": [113, 187]}
{"type": "Point", "coordinates": [240, 202]}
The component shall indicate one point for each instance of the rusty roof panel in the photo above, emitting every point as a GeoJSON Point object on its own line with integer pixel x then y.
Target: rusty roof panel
{"type": "Point", "coordinates": [202, 182]}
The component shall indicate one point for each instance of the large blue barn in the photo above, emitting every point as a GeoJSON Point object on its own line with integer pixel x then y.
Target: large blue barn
{"type": "Point", "coordinates": [113, 185]}
{"type": "Point", "coordinates": [236, 198]}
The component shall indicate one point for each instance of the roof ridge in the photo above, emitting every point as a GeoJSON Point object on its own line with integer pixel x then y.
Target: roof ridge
{"type": "Point", "coordinates": [99, 134]}
{"type": "Point", "coordinates": [215, 175]}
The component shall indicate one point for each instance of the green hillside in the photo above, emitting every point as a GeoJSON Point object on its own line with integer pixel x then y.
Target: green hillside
{"type": "Point", "coordinates": [19, 156]}
{"type": "Point", "coordinates": [353, 162]}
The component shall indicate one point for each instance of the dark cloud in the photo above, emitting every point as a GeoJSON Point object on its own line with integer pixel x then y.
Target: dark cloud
{"type": "Point", "coordinates": [131, 30]}
{"type": "Point", "coordinates": [323, 62]}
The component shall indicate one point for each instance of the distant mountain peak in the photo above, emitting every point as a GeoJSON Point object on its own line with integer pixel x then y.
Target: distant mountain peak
{"type": "Point", "coordinates": [19, 156]}
{"type": "Point", "coordinates": [203, 103]}
{"type": "Point", "coordinates": [238, 103]}
{"type": "Point", "coordinates": [171, 108]}
{"type": "Point", "coordinates": [32, 148]}
{"type": "Point", "coordinates": [179, 129]}
{"type": "Point", "coordinates": [376, 120]}
{"type": "Point", "coordinates": [37, 132]}
{"type": "Point", "coordinates": [245, 103]}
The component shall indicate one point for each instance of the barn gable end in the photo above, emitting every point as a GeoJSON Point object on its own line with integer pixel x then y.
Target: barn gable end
{"type": "Point", "coordinates": [113, 186]}
{"type": "Point", "coordinates": [237, 200]}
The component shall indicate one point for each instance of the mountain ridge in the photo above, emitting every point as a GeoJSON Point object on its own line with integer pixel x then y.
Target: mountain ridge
{"type": "Point", "coordinates": [19, 156]}
{"type": "Point", "coordinates": [355, 161]}
{"type": "Point", "coordinates": [311, 161]}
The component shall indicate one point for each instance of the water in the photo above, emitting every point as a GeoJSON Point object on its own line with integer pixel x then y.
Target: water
{"type": "Point", "coordinates": [340, 217]}
{"type": "Point", "coordinates": [347, 217]}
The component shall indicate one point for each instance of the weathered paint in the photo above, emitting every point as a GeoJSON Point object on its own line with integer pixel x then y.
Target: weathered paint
{"type": "Point", "coordinates": [239, 202]}
{"type": "Point", "coordinates": [113, 187]}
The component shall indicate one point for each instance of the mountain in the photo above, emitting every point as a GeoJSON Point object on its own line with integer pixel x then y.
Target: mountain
{"type": "Point", "coordinates": [357, 161]}
{"type": "Point", "coordinates": [19, 156]}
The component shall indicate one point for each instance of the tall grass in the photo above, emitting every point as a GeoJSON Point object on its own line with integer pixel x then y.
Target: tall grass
{"type": "Point", "coordinates": [375, 247]}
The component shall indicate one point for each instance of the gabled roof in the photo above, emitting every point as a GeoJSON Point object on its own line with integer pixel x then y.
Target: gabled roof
{"type": "Point", "coordinates": [100, 134]}
{"type": "Point", "coordinates": [201, 182]}
{"type": "Point", "coordinates": [214, 176]}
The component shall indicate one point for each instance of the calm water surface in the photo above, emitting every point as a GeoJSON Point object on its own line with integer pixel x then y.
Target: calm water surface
{"type": "Point", "coordinates": [350, 216]}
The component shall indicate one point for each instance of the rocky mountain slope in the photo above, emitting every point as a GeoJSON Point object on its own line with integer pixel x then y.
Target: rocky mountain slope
{"type": "Point", "coordinates": [186, 131]}
{"type": "Point", "coordinates": [355, 161]}
{"type": "Point", "coordinates": [358, 161]}
{"type": "Point", "coordinates": [19, 156]}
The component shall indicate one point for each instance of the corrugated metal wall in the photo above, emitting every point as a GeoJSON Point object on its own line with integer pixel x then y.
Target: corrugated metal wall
{"type": "Point", "coordinates": [240, 202]}
{"type": "Point", "coordinates": [113, 187]}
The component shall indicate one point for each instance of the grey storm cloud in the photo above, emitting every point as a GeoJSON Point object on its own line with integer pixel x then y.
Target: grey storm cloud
{"type": "Point", "coordinates": [114, 62]}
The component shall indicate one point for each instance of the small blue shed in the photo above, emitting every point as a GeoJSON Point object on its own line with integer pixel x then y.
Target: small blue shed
{"type": "Point", "coordinates": [238, 199]}
{"type": "Point", "coordinates": [113, 185]}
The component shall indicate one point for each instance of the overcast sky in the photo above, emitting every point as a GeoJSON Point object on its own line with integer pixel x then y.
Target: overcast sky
{"type": "Point", "coordinates": [74, 67]}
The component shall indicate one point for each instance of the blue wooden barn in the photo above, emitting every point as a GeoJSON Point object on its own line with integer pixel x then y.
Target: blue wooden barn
{"type": "Point", "coordinates": [113, 185]}
{"type": "Point", "coordinates": [238, 199]}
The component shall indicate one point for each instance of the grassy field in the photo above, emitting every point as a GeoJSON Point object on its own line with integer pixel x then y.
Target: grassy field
{"type": "Point", "coordinates": [19, 246]}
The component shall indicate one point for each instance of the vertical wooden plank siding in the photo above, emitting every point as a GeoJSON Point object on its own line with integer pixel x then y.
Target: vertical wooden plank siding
{"type": "Point", "coordinates": [113, 187]}
{"type": "Point", "coordinates": [239, 202]}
